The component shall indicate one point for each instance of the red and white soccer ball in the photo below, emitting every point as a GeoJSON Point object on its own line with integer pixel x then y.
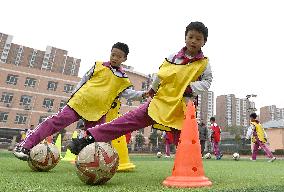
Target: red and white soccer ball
{"type": "Point", "coordinates": [43, 157]}
{"type": "Point", "coordinates": [97, 163]}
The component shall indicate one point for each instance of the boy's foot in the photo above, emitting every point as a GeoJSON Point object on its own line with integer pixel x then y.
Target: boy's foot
{"type": "Point", "coordinates": [76, 145]}
{"type": "Point", "coordinates": [252, 159]}
{"type": "Point", "coordinates": [167, 156]}
{"type": "Point", "coordinates": [21, 153]}
{"type": "Point", "coordinates": [272, 159]}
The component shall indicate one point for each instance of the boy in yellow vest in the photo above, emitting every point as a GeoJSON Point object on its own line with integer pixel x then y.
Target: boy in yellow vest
{"type": "Point", "coordinates": [98, 92]}
{"type": "Point", "coordinates": [182, 76]}
{"type": "Point", "coordinates": [258, 138]}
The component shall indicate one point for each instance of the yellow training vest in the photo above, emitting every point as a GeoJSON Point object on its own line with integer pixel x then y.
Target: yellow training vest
{"type": "Point", "coordinates": [168, 106]}
{"type": "Point", "coordinates": [95, 97]}
{"type": "Point", "coordinates": [260, 133]}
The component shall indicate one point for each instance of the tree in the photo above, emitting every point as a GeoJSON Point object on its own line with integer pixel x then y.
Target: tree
{"type": "Point", "coordinates": [139, 140]}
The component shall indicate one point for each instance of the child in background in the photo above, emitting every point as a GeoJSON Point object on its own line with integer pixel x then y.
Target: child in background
{"type": "Point", "coordinates": [168, 140]}
{"type": "Point", "coordinates": [97, 92]}
{"type": "Point", "coordinates": [215, 138]}
{"type": "Point", "coordinates": [258, 138]}
{"type": "Point", "coordinates": [182, 76]}
{"type": "Point", "coordinates": [203, 136]}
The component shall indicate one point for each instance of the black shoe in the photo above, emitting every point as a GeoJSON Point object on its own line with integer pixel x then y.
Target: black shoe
{"type": "Point", "coordinates": [76, 145]}
{"type": "Point", "coordinates": [21, 153]}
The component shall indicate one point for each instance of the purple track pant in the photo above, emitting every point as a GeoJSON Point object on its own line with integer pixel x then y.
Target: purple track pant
{"type": "Point", "coordinates": [54, 124]}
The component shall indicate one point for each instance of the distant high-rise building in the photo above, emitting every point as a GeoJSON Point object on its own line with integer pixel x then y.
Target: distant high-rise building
{"type": "Point", "coordinates": [271, 112]}
{"type": "Point", "coordinates": [52, 59]}
{"type": "Point", "coordinates": [205, 108]}
{"type": "Point", "coordinates": [232, 111]}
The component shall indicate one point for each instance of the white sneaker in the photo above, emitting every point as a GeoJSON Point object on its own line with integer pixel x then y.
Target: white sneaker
{"type": "Point", "coordinates": [167, 156]}
{"type": "Point", "coordinates": [272, 159]}
{"type": "Point", "coordinates": [252, 159]}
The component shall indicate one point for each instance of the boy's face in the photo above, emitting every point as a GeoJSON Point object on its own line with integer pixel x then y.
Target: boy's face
{"type": "Point", "coordinates": [194, 40]}
{"type": "Point", "coordinates": [117, 56]}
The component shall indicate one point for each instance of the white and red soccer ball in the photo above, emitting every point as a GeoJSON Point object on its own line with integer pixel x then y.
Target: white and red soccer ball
{"type": "Point", "coordinates": [43, 157]}
{"type": "Point", "coordinates": [97, 163]}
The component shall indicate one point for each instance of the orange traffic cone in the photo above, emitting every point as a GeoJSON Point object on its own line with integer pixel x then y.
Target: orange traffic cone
{"type": "Point", "coordinates": [188, 169]}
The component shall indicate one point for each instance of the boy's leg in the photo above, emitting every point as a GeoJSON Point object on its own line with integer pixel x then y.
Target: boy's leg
{"type": "Point", "coordinates": [202, 143]}
{"type": "Point", "coordinates": [167, 144]}
{"type": "Point", "coordinates": [90, 124]}
{"type": "Point", "coordinates": [176, 136]}
{"type": "Point", "coordinates": [255, 149]}
{"type": "Point", "coordinates": [130, 121]}
{"type": "Point", "coordinates": [50, 126]}
{"type": "Point", "coordinates": [266, 150]}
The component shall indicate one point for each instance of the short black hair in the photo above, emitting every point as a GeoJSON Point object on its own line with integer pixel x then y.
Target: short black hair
{"type": "Point", "coordinates": [253, 115]}
{"type": "Point", "coordinates": [212, 118]}
{"type": "Point", "coordinates": [198, 26]}
{"type": "Point", "coordinates": [122, 46]}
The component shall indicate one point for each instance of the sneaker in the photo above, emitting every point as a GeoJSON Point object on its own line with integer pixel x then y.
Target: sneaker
{"type": "Point", "coordinates": [21, 153]}
{"type": "Point", "coordinates": [167, 156]}
{"type": "Point", "coordinates": [272, 159]}
{"type": "Point", "coordinates": [252, 159]}
{"type": "Point", "coordinates": [76, 145]}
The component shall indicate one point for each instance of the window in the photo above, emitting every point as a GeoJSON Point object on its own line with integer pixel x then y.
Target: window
{"type": "Point", "coordinates": [25, 100]}
{"type": "Point", "coordinates": [48, 103]}
{"type": "Point", "coordinates": [12, 79]}
{"type": "Point", "coordinates": [3, 117]}
{"type": "Point", "coordinates": [41, 119]}
{"type": "Point", "coordinates": [52, 85]}
{"type": "Point", "coordinates": [6, 97]}
{"type": "Point", "coordinates": [62, 104]}
{"type": "Point", "coordinates": [68, 88]}
{"type": "Point", "coordinates": [30, 82]}
{"type": "Point", "coordinates": [21, 118]}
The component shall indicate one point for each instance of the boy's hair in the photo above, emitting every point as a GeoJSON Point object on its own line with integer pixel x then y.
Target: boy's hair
{"type": "Point", "coordinates": [122, 46]}
{"type": "Point", "coordinates": [253, 115]}
{"type": "Point", "coordinates": [212, 118]}
{"type": "Point", "coordinates": [198, 26]}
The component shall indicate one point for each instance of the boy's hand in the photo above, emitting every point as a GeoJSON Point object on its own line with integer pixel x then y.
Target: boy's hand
{"type": "Point", "coordinates": [151, 93]}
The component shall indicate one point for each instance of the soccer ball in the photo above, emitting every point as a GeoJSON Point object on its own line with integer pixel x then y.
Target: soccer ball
{"type": "Point", "coordinates": [97, 163]}
{"type": "Point", "coordinates": [207, 156]}
{"type": "Point", "coordinates": [159, 154]}
{"type": "Point", "coordinates": [43, 157]}
{"type": "Point", "coordinates": [236, 156]}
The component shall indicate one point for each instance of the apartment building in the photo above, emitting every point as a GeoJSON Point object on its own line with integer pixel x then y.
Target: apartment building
{"type": "Point", "coordinates": [205, 108]}
{"type": "Point", "coordinates": [52, 59]}
{"type": "Point", "coordinates": [270, 113]}
{"type": "Point", "coordinates": [232, 111]}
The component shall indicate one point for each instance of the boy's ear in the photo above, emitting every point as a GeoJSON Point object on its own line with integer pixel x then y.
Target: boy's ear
{"type": "Point", "coordinates": [124, 59]}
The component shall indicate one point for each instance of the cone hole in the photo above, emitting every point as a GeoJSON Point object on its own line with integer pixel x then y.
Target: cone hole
{"type": "Point", "coordinates": [194, 169]}
{"type": "Point", "coordinates": [193, 141]}
{"type": "Point", "coordinates": [118, 141]}
{"type": "Point", "coordinates": [192, 116]}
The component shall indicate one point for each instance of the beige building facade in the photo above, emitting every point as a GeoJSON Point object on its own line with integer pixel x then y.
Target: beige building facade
{"type": "Point", "coordinates": [275, 133]}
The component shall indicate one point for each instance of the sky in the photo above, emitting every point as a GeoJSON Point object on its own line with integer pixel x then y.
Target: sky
{"type": "Point", "coordinates": [245, 41]}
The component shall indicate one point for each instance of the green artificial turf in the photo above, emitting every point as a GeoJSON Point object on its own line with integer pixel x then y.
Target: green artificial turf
{"type": "Point", "coordinates": [226, 175]}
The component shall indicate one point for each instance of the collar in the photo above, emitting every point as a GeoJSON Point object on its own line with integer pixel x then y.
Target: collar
{"type": "Point", "coordinates": [182, 55]}
{"type": "Point", "coordinates": [107, 64]}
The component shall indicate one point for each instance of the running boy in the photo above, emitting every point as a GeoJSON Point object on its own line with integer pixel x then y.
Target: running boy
{"type": "Point", "coordinates": [94, 96]}
{"type": "Point", "coordinates": [182, 75]}
{"type": "Point", "coordinates": [258, 137]}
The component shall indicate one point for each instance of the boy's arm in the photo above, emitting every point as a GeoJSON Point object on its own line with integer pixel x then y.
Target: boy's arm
{"type": "Point", "coordinates": [249, 132]}
{"type": "Point", "coordinates": [204, 83]}
{"type": "Point", "coordinates": [84, 79]}
{"type": "Point", "coordinates": [131, 94]}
